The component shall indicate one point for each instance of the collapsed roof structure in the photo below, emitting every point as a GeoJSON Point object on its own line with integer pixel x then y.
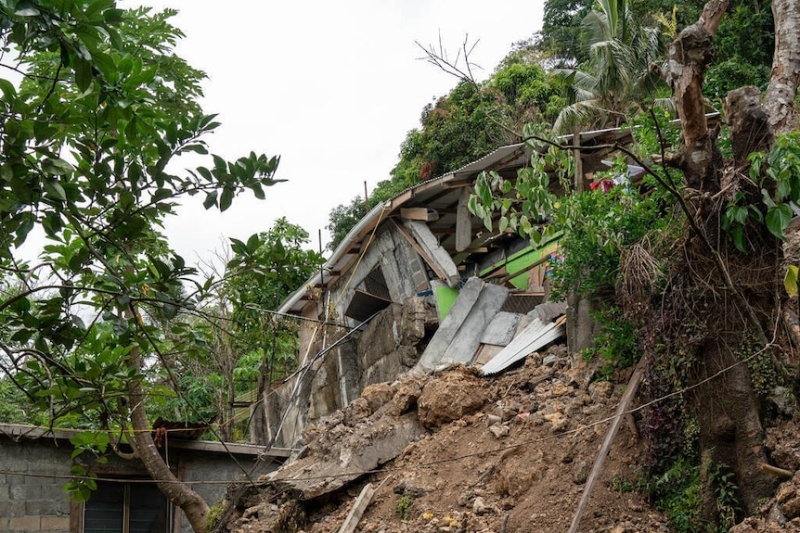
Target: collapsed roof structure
{"type": "Point", "coordinates": [420, 282]}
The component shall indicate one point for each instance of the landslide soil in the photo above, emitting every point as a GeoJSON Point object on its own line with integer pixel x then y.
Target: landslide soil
{"type": "Point", "coordinates": [508, 453]}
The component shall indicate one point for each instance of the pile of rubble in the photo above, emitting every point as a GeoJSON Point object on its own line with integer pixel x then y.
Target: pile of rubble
{"type": "Point", "coordinates": [455, 451]}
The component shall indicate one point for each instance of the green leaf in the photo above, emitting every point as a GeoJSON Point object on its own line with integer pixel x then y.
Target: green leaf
{"type": "Point", "coordinates": [503, 224]}
{"type": "Point", "coordinates": [211, 200]}
{"type": "Point", "coordinates": [56, 166]}
{"type": "Point", "coordinates": [226, 199]}
{"type": "Point", "coordinates": [113, 16]}
{"type": "Point", "coordinates": [55, 189]}
{"type": "Point", "coordinates": [83, 74]}
{"type": "Point", "coordinates": [790, 280]}
{"type": "Point", "coordinates": [161, 194]}
{"type": "Point", "coordinates": [9, 92]}
{"type": "Point", "coordinates": [170, 311]}
{"type": "Point", "coordinates": [778, 218]}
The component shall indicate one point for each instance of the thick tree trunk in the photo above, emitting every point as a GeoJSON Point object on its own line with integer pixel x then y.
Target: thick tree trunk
{"type": "Point", "coordinates": [731, 435]}
{"type": "Point", "coordinates": [176, 491]}
{"type": "Point", "coordinates": [782, 90]}
{"type": "Point", "coordinates": [689, 56]}
{"type": "Point", "coordinates": [726, 404]}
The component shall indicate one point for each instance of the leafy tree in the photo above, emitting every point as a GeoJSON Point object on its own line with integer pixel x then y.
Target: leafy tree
{"type": "Point", "coordinates": [560, 38]}
{"type": "Point", "coordinates": [469, 122]}
{"type": "Point", "coordinates": [98, 108]}
{"type": "Point", "coordinates": [608, 87]}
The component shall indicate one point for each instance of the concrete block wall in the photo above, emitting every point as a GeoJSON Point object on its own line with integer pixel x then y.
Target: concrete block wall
{"type": "Point", "coordinates": [30, 503]}
{"type": "Point", "coordinates": [401, 265]}
{"type": "Point", "coordinates": [33, 474]}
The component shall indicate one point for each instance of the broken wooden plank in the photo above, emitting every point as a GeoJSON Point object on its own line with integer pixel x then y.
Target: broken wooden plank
{"type": "Point", "coordinates": [419, 213]}
{"type": "Point", "coordinates": [437, 256]}
{"type": "Point", "coordinates": [360, 505]}
{"type": "Point", "coordinates": [622, 408]}
{"type": "Point", "coordinates": [422, 253]}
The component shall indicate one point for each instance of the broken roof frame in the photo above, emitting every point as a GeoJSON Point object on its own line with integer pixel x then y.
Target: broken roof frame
{"type": "Point", "coordinates": [509, 157]}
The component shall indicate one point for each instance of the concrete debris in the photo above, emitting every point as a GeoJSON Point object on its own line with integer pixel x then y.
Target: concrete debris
{"type": "Point", "coordinates": [459, 335]}
{"type": "Point", "coordinates": [537, 335]}
{"type": "Point", "coordinates": [499, 430]}
{"type": "Point", "coordinates": [501, 329]}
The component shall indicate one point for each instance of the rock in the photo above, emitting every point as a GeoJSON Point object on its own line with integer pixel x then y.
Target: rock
{"type": "Point", "coordinates": [601, 390]}
{"type": "Point", "coordinates": [783, 399]}
{"type": "Point", "coordinates": [377, 395]}
{"type": "Point", "coordinates": [580, 472]}
{"type": "Point", "coordinates": [357, 410]}
{"type": "Point", "coordinates": [491, 420]}
{"type": "Point", "coordinates": [549, 360]}
{"type": "Point", "coordinates": [347, 456]}
{"type": "Point", "coordinates": [791, 509]}
{"type": "Point", "coordinates": [786, 491]}
{"type": "Point", "coordinates": [776, 515]}
{"type": "Point", "coordinates": [557, 421]}
{"type": "Point", "coordinates": [499, 430]}
{"type": "Point", "coordinates": [480, 507]}
{"type": "Point", "coordinates": [406, 394]}
{"type": "Point", "coordinates": [560, 389]}
{"type": "Point", "coordinates": [453, 396]}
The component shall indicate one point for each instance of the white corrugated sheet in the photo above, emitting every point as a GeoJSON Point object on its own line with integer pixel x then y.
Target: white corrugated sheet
{"type": "Point", "coordinates": [533, 337]}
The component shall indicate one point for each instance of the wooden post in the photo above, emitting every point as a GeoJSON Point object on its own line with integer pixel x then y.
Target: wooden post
{"type": "Point", "coordinates": [622, 409]}
{"type": "Point", "coordinates": [463, 222]}
{"type": "Point", "coordinates": [576, 153]}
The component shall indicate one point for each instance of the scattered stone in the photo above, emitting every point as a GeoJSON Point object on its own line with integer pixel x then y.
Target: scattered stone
{"type": "Point", "coordinates": [377, 395]}
{"type": "Point", "coordinates": [791, 509]}
{"type": "Point", "coordinates": [480, 507]}
{"type": "Point", "coordinates": [456, 394]}
{"type": "Point", "coordinates": [406, 395]}
{"type": "Point", "coordinates": [492, 420]}
{"type": "Point", "coordinates": [499, 430]}
{"type": "Point", "coordinates": [581, 472]}
{"type": "Point", "coordinates": [550, 360]}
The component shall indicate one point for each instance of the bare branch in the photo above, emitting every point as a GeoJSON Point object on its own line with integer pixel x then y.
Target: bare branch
{"type": "Point", "coordinates": [439, 58]}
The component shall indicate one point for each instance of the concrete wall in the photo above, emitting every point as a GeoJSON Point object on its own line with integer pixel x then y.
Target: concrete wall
{"type": "Point", "coordinates": [34, 504]}
{"type": "Point", "coordinates": [402, 268]}
{"type": "Point", "coordinates": [389, 345]}
{"type": "Point", "coordinates": [33, 474]}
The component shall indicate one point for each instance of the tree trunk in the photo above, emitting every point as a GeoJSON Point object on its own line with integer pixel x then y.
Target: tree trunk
{"type": "Point", "coordinates": [726, 404]}
{"type": "Point", "coordinates": [782, 90]}
{"type": "Point", "coordinates": [689, 56]}
{"type": "Point", "coordinates": [174, 489]}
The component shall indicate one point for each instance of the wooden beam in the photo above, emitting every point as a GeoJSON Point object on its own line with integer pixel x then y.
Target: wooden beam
{"type": "Point", "coordinates": [463, 221]}
{"type": "Point", "coordinates": [360, 505]}
{"type": "Point", "coordinates": [443, 231]}
{"type": "Point", "coordinates": [425, 257]}
{"type": "Point", "coordinates": [577, 156]}
{"type": "Point", "coordinates": [622, 409]}
{"type": "Point", "coordinates": [419, 213]}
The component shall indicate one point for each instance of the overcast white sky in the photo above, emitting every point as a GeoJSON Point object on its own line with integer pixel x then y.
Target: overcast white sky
{"type": "Point", "coordinates": [332, 87]}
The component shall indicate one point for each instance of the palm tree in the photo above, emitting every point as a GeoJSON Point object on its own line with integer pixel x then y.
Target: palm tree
{"type": "Point", "coordinates": [612, 83]}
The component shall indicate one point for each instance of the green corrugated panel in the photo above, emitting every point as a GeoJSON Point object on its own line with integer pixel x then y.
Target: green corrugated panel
{"type": "Point", "coordinates": [445, 298]}
{"type": "Point", "coordinates": [524, 258]}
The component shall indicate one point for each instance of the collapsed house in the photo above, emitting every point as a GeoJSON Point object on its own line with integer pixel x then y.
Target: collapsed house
{"type": "Point", "coordinates": [420, 282]}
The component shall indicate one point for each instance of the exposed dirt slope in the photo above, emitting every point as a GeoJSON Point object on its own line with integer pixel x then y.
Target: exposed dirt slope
{"type": "Point", "coordinates": [509, 453]}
